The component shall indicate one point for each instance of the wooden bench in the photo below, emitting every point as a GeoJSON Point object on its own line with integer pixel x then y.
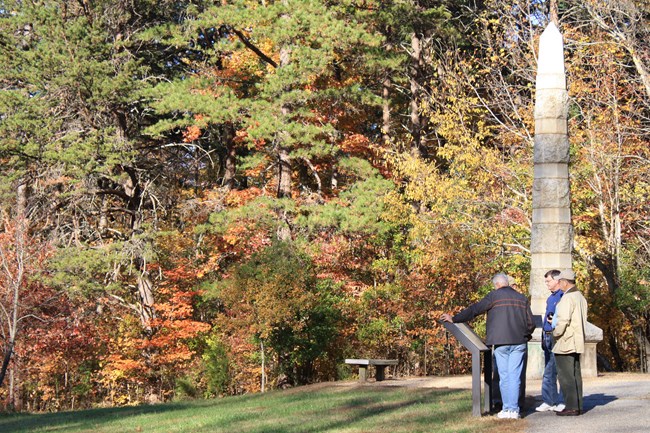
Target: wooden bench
{"type": "Point", "coordinates": [380, 365]}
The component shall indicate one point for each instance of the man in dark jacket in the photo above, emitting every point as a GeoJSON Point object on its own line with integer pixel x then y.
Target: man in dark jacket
{"type": "Point", "coordinates": [509, 327]}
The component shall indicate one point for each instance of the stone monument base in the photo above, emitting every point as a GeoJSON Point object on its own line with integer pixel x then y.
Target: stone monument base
{"type": "Point", "coordinates": [588, 360]}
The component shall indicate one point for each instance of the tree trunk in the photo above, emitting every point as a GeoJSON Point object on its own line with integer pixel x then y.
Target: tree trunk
{"type": "Point", "coordinates": [641, 335]}
{"type": "Point", "coordinates": [334, 180]}
{"type": "Point", "coordinates": [284, 174]}
{"type": "Point", "coordinates": [230, 163]}
{"type": "Point", "coordinates": [314, 172]}
{"type": "Point", "coordinates": [21, 202]}
{"type": "Point", "coordinates": [607, 268]}
{"type": "Point", "coordinates": [12, 396]}
{"type": "Point", "coordinates": [416, 122]}
{"type": "Point", "coordinates": [146, 299]}
{"type": "Point", "coordinates": [145, 292]}
{"type": "Point", "coordinates": [17, 279]}
{"type": "Point", "coordinates": [284, 190]}
{"type": "Point", "coordinates": [263, 384]}
{"type": "Point", "coordinates": [641, 69]}
{"type": "Point", "coordinates": [16, 394]}
{"type": "Point", "coordinates": [103, 217]}
{"type": "Point", "coordinates": [385, 129]}
{"type": "Point", "coordinates": [5, 362]}
{"type": "Point", "coordinates": [426, 348]}
{"type": "Point", "coordinates": [616, 354]}
{"type": "Point", "coordinates": [284, 160]}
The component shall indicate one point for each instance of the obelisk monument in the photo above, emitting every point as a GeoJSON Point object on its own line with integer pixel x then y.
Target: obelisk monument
{"type": "Point", "coordinates": [552, 233]}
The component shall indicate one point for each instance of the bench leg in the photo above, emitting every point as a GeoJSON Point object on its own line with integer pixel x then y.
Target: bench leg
{"type": "Point", "coordinates": [363, 373]}
{"type": "Point", "coordinates": [380, 372]}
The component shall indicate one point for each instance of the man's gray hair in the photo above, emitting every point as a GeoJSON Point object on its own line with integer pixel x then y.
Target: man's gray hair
{"type": "Point", "coordinates": [500, 280]}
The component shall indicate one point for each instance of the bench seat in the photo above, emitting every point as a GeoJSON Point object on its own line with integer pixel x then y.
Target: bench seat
{"type": "Point", "coordinates": [363, 364]}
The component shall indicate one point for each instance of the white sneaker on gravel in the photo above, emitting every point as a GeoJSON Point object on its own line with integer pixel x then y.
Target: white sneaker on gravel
{"type": "Point", "coordinates": [545, 407]}
{"type": "Point", "coordinates": [559, 407]}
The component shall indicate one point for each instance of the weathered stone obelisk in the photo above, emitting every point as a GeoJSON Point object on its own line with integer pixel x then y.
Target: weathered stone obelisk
{"type": "Point", "coordinates": [552, 232]}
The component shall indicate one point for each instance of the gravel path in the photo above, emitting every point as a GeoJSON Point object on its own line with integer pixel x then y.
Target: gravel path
{"type": "Point", "coordinates": [613, 402]}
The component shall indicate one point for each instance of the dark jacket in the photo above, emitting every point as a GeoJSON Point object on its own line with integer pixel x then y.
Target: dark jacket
{"type": "Point", "coordinates": [509, 317]}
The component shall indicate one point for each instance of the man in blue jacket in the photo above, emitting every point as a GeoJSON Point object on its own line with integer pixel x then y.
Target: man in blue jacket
{"type": "Point", "coordinates": [509, 327]}
{"type": "Point", "coordinates": [552, 399]}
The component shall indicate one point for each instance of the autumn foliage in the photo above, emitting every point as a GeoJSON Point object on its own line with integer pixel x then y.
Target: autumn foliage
{"type": "Point", "coordinates": [204, 199]}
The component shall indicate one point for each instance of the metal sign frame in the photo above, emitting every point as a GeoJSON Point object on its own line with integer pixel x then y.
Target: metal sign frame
{"type": "Point", "coordinates": [472, 342]}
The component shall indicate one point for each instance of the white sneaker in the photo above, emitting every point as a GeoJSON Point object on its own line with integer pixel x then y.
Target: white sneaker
{"type": "Point", "coordinates": [508, 414]}
{"type": "Point", "coordinates": [545, 407]}
{"type": "Point", "coordinates": [504, 414]}
{"type": "Point", "coordinates": [559, 407]}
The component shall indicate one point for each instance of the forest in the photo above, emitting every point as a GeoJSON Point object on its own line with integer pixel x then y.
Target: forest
{"type": "Point", "coordinates": [212, 198]}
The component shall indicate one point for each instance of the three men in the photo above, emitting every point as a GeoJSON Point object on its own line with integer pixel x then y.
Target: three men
{"type": "Point", "coordinates": [552, 399]}
{"type": "Point", "coordinates": [570, 323]}
{"type": "Point", "coordinates": [509, 327]}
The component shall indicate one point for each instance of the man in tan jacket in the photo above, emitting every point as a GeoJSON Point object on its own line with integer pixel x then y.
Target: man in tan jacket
{"type": "Point", "coordinates": [570, 322]}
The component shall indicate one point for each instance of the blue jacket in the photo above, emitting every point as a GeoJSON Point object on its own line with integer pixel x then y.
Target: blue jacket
{"type": "Point", "coordinates": [509, 317]}
{"type": "Point", "coordinates": [551, 302]}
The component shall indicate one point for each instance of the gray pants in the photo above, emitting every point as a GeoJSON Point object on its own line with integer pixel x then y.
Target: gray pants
{"type": "Point", "coordinates": [570, 377]}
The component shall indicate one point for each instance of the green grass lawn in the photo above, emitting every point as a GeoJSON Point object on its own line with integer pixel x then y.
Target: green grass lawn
{"type": "Point", "coordinates": [319, 408]}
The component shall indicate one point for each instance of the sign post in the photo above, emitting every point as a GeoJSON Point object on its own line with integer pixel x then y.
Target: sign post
{"type": "Point", "coordinates": [472, 342]}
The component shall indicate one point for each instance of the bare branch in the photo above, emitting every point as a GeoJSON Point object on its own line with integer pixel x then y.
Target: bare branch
{"type": "Point", "coordinates": [33, 316]}
{"type": "Point", "coordinates": [253, 48]}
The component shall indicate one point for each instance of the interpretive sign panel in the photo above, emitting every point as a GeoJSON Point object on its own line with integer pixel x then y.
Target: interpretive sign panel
{"type": "Point", "coordinates": [472, 342]}
{"type": "Point", "coordinates": [466, 336]}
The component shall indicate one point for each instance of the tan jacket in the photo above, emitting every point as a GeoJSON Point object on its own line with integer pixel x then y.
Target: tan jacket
{"type": "Point", "coordinates": [571, 314]}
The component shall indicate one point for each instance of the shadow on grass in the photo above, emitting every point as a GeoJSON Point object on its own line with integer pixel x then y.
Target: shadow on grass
{"type": "Point", "coordinates": [312, 410]}
{"type": "Point", "coordinates": [371, 409]}
{"type": "Point", "coordinates": [88, 419]}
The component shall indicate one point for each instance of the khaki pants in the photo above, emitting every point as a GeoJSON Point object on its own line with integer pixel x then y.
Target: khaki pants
{"type": "Point", "coordinates": [570, 378]}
